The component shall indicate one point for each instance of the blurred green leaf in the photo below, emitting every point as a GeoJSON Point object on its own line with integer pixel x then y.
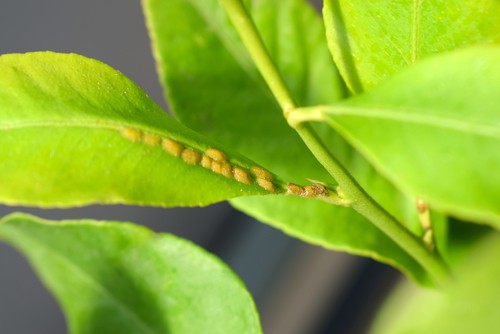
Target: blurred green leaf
{"type": "Point", "coordinates": [434, 130]}
{"type": "Point", "coordinates": [214, 87]}
{"type": "Point", "coordinates": [121, 278]}
{"type": "Point", "coordinates": [339, 229]}
{"type": "Point", "coordinates": [74, 131]}
{"type": "Point", "coordinates": [469, 304]}
{"type": "Point", "coordinates": [373, 40]}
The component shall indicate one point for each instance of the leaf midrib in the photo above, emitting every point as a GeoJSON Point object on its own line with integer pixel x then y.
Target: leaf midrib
{"type": "Point", "coordinates": [411, 116]}
{"type": "Point", "coordinates": [93, 282]}
{"type": "Point", "coordinates": [109, 125]}
{"type": "Point", "coordinates": [415, 29]}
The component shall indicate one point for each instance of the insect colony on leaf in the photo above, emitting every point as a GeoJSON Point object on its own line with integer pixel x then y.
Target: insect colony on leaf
{"type": "Point", "coordinates": [217, 162]}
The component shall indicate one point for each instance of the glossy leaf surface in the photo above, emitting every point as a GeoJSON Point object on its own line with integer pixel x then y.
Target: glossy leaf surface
{"type": "Point", "coordinates": [74, 131]}
{"type": "Point", "coordinates": [373, 40]}
{"type": "Point", "coordinates": [213, 86]}
{"type": "Point", "coordinates": [470, 304]}
{"type": "Point", "coordinates": [121, 278]}
{"type": "Point", "coordinates": [434, 130]}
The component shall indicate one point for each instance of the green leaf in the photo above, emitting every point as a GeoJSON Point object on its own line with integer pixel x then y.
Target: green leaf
{"type": "Point", "coordinates": [121, 278]}
{"type": "Point", "coordinates": [74, 131]}
{"type": "Point", "coordinates": [372, 40]}
{"type": "Point", "coordinates": [338, 229]}
{"type": "Point", "coordinates": [434, 130]}
{"type": "Point", "coordinates": [214, 87]}
{"type": "Point", "coordinates": [470, 304]}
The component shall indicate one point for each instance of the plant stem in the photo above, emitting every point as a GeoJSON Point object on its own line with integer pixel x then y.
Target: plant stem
{"type": "Point", "coordinates": [370, 209]}
{"type": "Point", "coordinates": [353, 192]}
{"type": "Point", "coordinates": [255, 46]}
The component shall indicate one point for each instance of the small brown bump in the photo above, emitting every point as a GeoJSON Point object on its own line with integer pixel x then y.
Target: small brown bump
{"type": "Point", "coordinates": [151, 139]}
{"type": "Point", "coordinates": [190, 157]}
{"type": "Point", "coordinates": [315, 190]}
{"type": "Point", "coordinates": [227, 170]}
{"type": "Point", "coordinates": [422, 206]}
{"type": "Point", "coordinates": [132, 134]}
{"type": "Point", "coordinates": [241, 175]}
{"type": "Point", "coordinates": [206, 162]}
{"type": "Point", "coordinates": [215, 154]}
{"type": "Point", "coordinates": [261, 173]}
{"type": "Point", "coordinates": [322, 190]}
{"type": "Point", "coordinates": [216, 167]}
{"type": "Point", "coordinates": [266, 184]}
{"type": "Point", "coordinates": [172, 147]}
{"type": "Point", "coordinates": [222, 168]}
{"type": "Point", "coordinates": [294, 189]}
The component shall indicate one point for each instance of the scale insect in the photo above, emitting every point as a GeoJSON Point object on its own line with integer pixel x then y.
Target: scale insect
{"type": "Point", "coordinates": [211, 159]}
{"type": "Point", "coordinates": [132, 134]}
{"type": "Point", "coordinates": [172, 147]}
{"type": "Point", "coordinates": [217, 162]}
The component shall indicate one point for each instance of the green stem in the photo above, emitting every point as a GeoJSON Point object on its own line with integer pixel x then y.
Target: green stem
{"type": "Point", "coordinates": [360, 200]}
{"type": "Point", "coordinates": [255, 46]}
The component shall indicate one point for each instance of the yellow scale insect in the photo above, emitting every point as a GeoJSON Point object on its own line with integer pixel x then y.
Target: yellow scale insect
{"type": "Point", "coordinates": [217, 162]}
{"type": "Point", "coordinates": [211, 159]}
{"type": "Point", "coordinates": [313, 190]}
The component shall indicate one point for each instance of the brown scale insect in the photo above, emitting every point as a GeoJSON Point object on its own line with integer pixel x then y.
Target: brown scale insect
{"type": "Point", "coordinates": [315, 190]}
{"type": "Point", "coordinates": [216, 167]}
{"type": "Point", "coordinates": [172, 147]}
{"type": "Point", "coordinates": [241, 175]}
{"type": "Point", "coordinates": [227, 170]}
{"type": "Point", "coordinates": [294, 189]}
{"type": "Point", "coordinates": [206, 162]}
{"type": "Point", "coordinates": [222, 168]}
{"type": "Point", "coordinates": [215, 154]}
{"type": "Point", "coordinates": [151, 139]}
{"type": "Point", "coordinates": [213, 159]}
{"type": "Point", "coordinates": [132, 134]}
{"type": "Point", "coordinates": [261, 173]}
{"type": "Point", "coordinates": [266, 184]}
{"type": "Point", "coordinates": [190, 157]}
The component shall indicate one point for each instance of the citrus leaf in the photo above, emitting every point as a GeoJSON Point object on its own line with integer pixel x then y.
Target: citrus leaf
{"type": "Point", "coordinates": [74, 131]}
{"type": "Point", "coordinates": [121, 278]}
{"type": "Point", "coordinates": [214, 87]}
{"type": "Point", "coordinates": [337, 229]}
{"type": "Point", "coordinates": [468, 304]}
{"type": "Point", "coordinates": [372, 40]}
{"type": "Point", "coordinates": [434, 130]}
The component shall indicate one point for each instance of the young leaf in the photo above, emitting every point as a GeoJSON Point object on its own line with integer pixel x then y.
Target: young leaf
{"type": "Point", "coordinates": [469, 304]}
{"type": "Point", "coordinates": [372, 40]}
{"type": "Point", "coordinates": [121, 278]}
{"type": "Point", "coordinates": [74, 131]}
{"type": "Point", "coordinates": [434, 130]}
{"type": "Point", "coordinates": [214, 87]}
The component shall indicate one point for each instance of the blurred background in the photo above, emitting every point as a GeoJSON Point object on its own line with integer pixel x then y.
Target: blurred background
{"type": "Point", "coordinates": [298, 288]}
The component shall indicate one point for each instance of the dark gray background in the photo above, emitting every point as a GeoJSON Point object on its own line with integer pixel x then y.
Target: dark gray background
{"type": "Point", "coordinates": [298, 288]}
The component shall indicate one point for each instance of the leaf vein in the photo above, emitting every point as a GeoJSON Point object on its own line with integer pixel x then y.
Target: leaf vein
{"type": "Point", "coordinates": [92, 281]}
{"type": "Point", "coordinates": [415, 31]}
{"type": "Point", "coordinates": [406, 116]}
